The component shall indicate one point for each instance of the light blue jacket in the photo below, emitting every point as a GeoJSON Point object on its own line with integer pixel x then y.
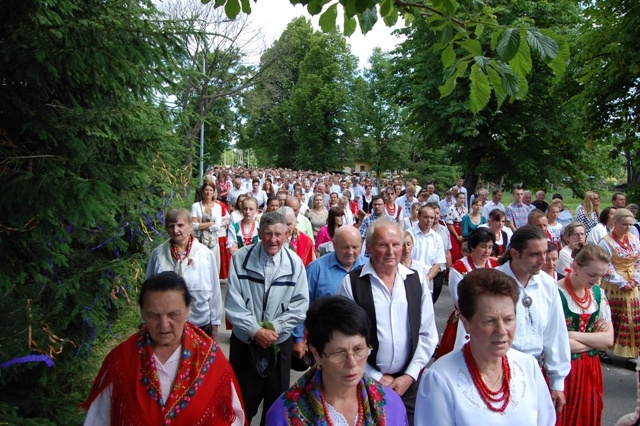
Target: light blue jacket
{"type": "Point", "coordinates": [286, 303]}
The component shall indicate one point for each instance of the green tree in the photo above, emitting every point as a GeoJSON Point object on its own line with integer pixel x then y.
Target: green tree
{"type": "Point", "coordinates": [379, 136]}
{"type": "Point", "coordinates": [608, 69]}
{"type": "Point", "coordinates": [297, 115]}
{"type": "Point", "coordinates": [464, 30]}
{"type": "Point", "coordinates": [88, 164]}
{"type": "Point", "coordinates": [529, 141]}
{"type": "Point", "coordinates": [211, 76]}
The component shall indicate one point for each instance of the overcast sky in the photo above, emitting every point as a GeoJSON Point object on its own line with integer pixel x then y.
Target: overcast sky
{"type": "Point", "coordinates": [274, 15]}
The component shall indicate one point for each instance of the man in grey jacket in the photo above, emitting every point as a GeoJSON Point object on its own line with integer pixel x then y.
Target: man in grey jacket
{"type": "Point", "coordinates": [267, 296]}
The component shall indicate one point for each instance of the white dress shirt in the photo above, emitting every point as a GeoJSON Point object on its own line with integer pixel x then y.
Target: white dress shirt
{"type": "Point", "coordinates": [491, 206]}
{"type": "Point", "coordinates": [392, 317]}
{"type": "Point", "coordinates": [541, 329]}
{"type": "Point", "coordinates": [428, 248]}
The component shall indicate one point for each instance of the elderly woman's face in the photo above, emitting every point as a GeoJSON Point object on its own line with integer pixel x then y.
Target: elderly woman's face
{"type": "Point", "coordinates": [179, 231]}
{"type": "Point", "coordinates": [492, 326]}
{"type": "Point", "coordinates": [342, 361]}
{"type": "Point", "coordinates": [291, 225]}
{"type": "Point", "coordinates": [165, 313]}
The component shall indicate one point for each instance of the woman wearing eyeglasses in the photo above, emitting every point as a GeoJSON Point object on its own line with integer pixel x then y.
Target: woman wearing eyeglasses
{"type": "Point", "coordinates": [337, 392]}
{"type": "Point", "coordinates": [572, 234]}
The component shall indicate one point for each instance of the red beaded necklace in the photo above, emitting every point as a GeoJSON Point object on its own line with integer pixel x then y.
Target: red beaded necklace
{"type": "Point", "coordinates": [625, 240]}
{"type": "Point", "coordinates": [247, 237]}
{"type": "Point", "coordinates": [583, 302]}
{"type": "Point", "coordinates": [392, 211]}
{"type": "Point", "coordinates": [488, 396]}
{"type": "Point", "coordinates": [326, 411]}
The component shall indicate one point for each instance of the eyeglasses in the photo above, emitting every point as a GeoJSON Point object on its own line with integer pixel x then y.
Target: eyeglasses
{"type": "Point", "coordinates": [341, 357]}
{"type": "Point", "coordinates": [596, 198]}
{"type": "Point", "coordinates": [578, 234]}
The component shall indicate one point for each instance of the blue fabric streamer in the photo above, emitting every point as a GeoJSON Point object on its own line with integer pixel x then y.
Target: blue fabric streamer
{"type": "Point", "coordinates": [28, 358]}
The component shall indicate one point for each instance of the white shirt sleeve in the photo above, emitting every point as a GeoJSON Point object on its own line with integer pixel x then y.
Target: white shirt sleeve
{"type": "Point", "coordinates": [435, 403]}
{"type": "Point", "coordinates": [237, 407]}
{"type": "Point", "coordinates": [99, 413]}
{"type": "Point", "coordinates": [555, 340]}
{"type": "Point", "coordinates": [454, 279]}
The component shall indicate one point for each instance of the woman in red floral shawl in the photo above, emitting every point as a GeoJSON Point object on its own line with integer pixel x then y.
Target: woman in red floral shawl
{"type": "Point", "coordinates": [170, 372]}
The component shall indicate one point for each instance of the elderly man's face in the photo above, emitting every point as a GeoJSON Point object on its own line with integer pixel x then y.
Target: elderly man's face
{"type": "Point", "coordinates": [385, 247]}
{"type": "Point", "coordinates": [526, 198]}
{"type": "Point", "coordinates": [294, 203]}
{"type": "Point", "coordinates": [347, 244]}
{"type": "Point", "coordinates": [273, 237]}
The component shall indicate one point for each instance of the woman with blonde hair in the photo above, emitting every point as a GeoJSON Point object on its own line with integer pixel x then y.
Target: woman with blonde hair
{"type": "Point", "coordinates": [589, 212]}
{"type": "Point", "coordinates": [620, 284]}
{"type": "Point", "coordinates": [588, 319]}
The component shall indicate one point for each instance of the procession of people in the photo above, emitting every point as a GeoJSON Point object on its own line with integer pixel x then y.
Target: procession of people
{"type": "Point", "coordinates": [337, 273]}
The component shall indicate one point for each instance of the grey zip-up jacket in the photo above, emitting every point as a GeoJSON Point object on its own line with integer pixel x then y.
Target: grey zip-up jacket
{"type": "Point", "coordinates": [286, 303]}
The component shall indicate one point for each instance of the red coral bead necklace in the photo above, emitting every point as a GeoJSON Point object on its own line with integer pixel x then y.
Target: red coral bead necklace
{"type": "Point", "coordinates": [502, 395]}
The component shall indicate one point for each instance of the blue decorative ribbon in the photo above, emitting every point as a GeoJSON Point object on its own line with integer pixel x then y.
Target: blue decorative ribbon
{"type": "Point", "coordinates": [28, 358]}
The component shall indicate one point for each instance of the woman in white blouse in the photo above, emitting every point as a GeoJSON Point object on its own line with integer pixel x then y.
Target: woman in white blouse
{"type": "Point", "coordinates": [487, 382]}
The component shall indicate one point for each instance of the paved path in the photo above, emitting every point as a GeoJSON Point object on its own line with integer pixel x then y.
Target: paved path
{"type": "Point", "coordinates": [619, 382]}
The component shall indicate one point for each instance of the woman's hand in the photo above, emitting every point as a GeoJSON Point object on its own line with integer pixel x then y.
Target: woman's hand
{"type": "Point", "coordinates": [628, 286]}
{"type": "Point", "coordinates": [459, 238]}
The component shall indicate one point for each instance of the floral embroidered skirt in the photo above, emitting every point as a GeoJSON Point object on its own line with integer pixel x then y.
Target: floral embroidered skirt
{"type": "Point", "coordinates": [625, 315]}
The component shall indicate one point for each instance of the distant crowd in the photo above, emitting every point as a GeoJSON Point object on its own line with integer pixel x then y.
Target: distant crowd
{"type": "Point", "coordinates": [337, 275]}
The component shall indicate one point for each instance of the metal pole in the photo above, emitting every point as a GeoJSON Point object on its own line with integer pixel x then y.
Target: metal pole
{"type": "Point", "coordinates": [204, 70]}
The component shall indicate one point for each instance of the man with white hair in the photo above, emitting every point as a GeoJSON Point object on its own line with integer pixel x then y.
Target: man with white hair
{"type": "Point", "coordinates": [540, 203]}
{"type": "Point", "coordinates": [404, 333]}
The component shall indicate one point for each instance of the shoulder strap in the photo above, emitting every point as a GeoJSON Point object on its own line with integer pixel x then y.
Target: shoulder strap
{"type": "Point", "coordinates": [363, 296]}
{"type": "Point", "coordinates": [413, 291]}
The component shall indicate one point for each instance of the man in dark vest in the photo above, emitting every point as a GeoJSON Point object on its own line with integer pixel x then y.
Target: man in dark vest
{"type": "Point", "coordinates": [399, 305]}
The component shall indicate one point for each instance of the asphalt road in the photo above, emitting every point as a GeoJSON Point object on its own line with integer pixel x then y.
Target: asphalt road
{"type": "Point", "coordinates": [619, 382]}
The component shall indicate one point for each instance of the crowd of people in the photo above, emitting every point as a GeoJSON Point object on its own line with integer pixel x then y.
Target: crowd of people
{"type": "Point", "coordinates": [338, 275]}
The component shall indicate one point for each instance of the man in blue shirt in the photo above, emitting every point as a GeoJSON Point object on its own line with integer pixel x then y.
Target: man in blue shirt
{"type": "Point", "coordinates": [325, 274]}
